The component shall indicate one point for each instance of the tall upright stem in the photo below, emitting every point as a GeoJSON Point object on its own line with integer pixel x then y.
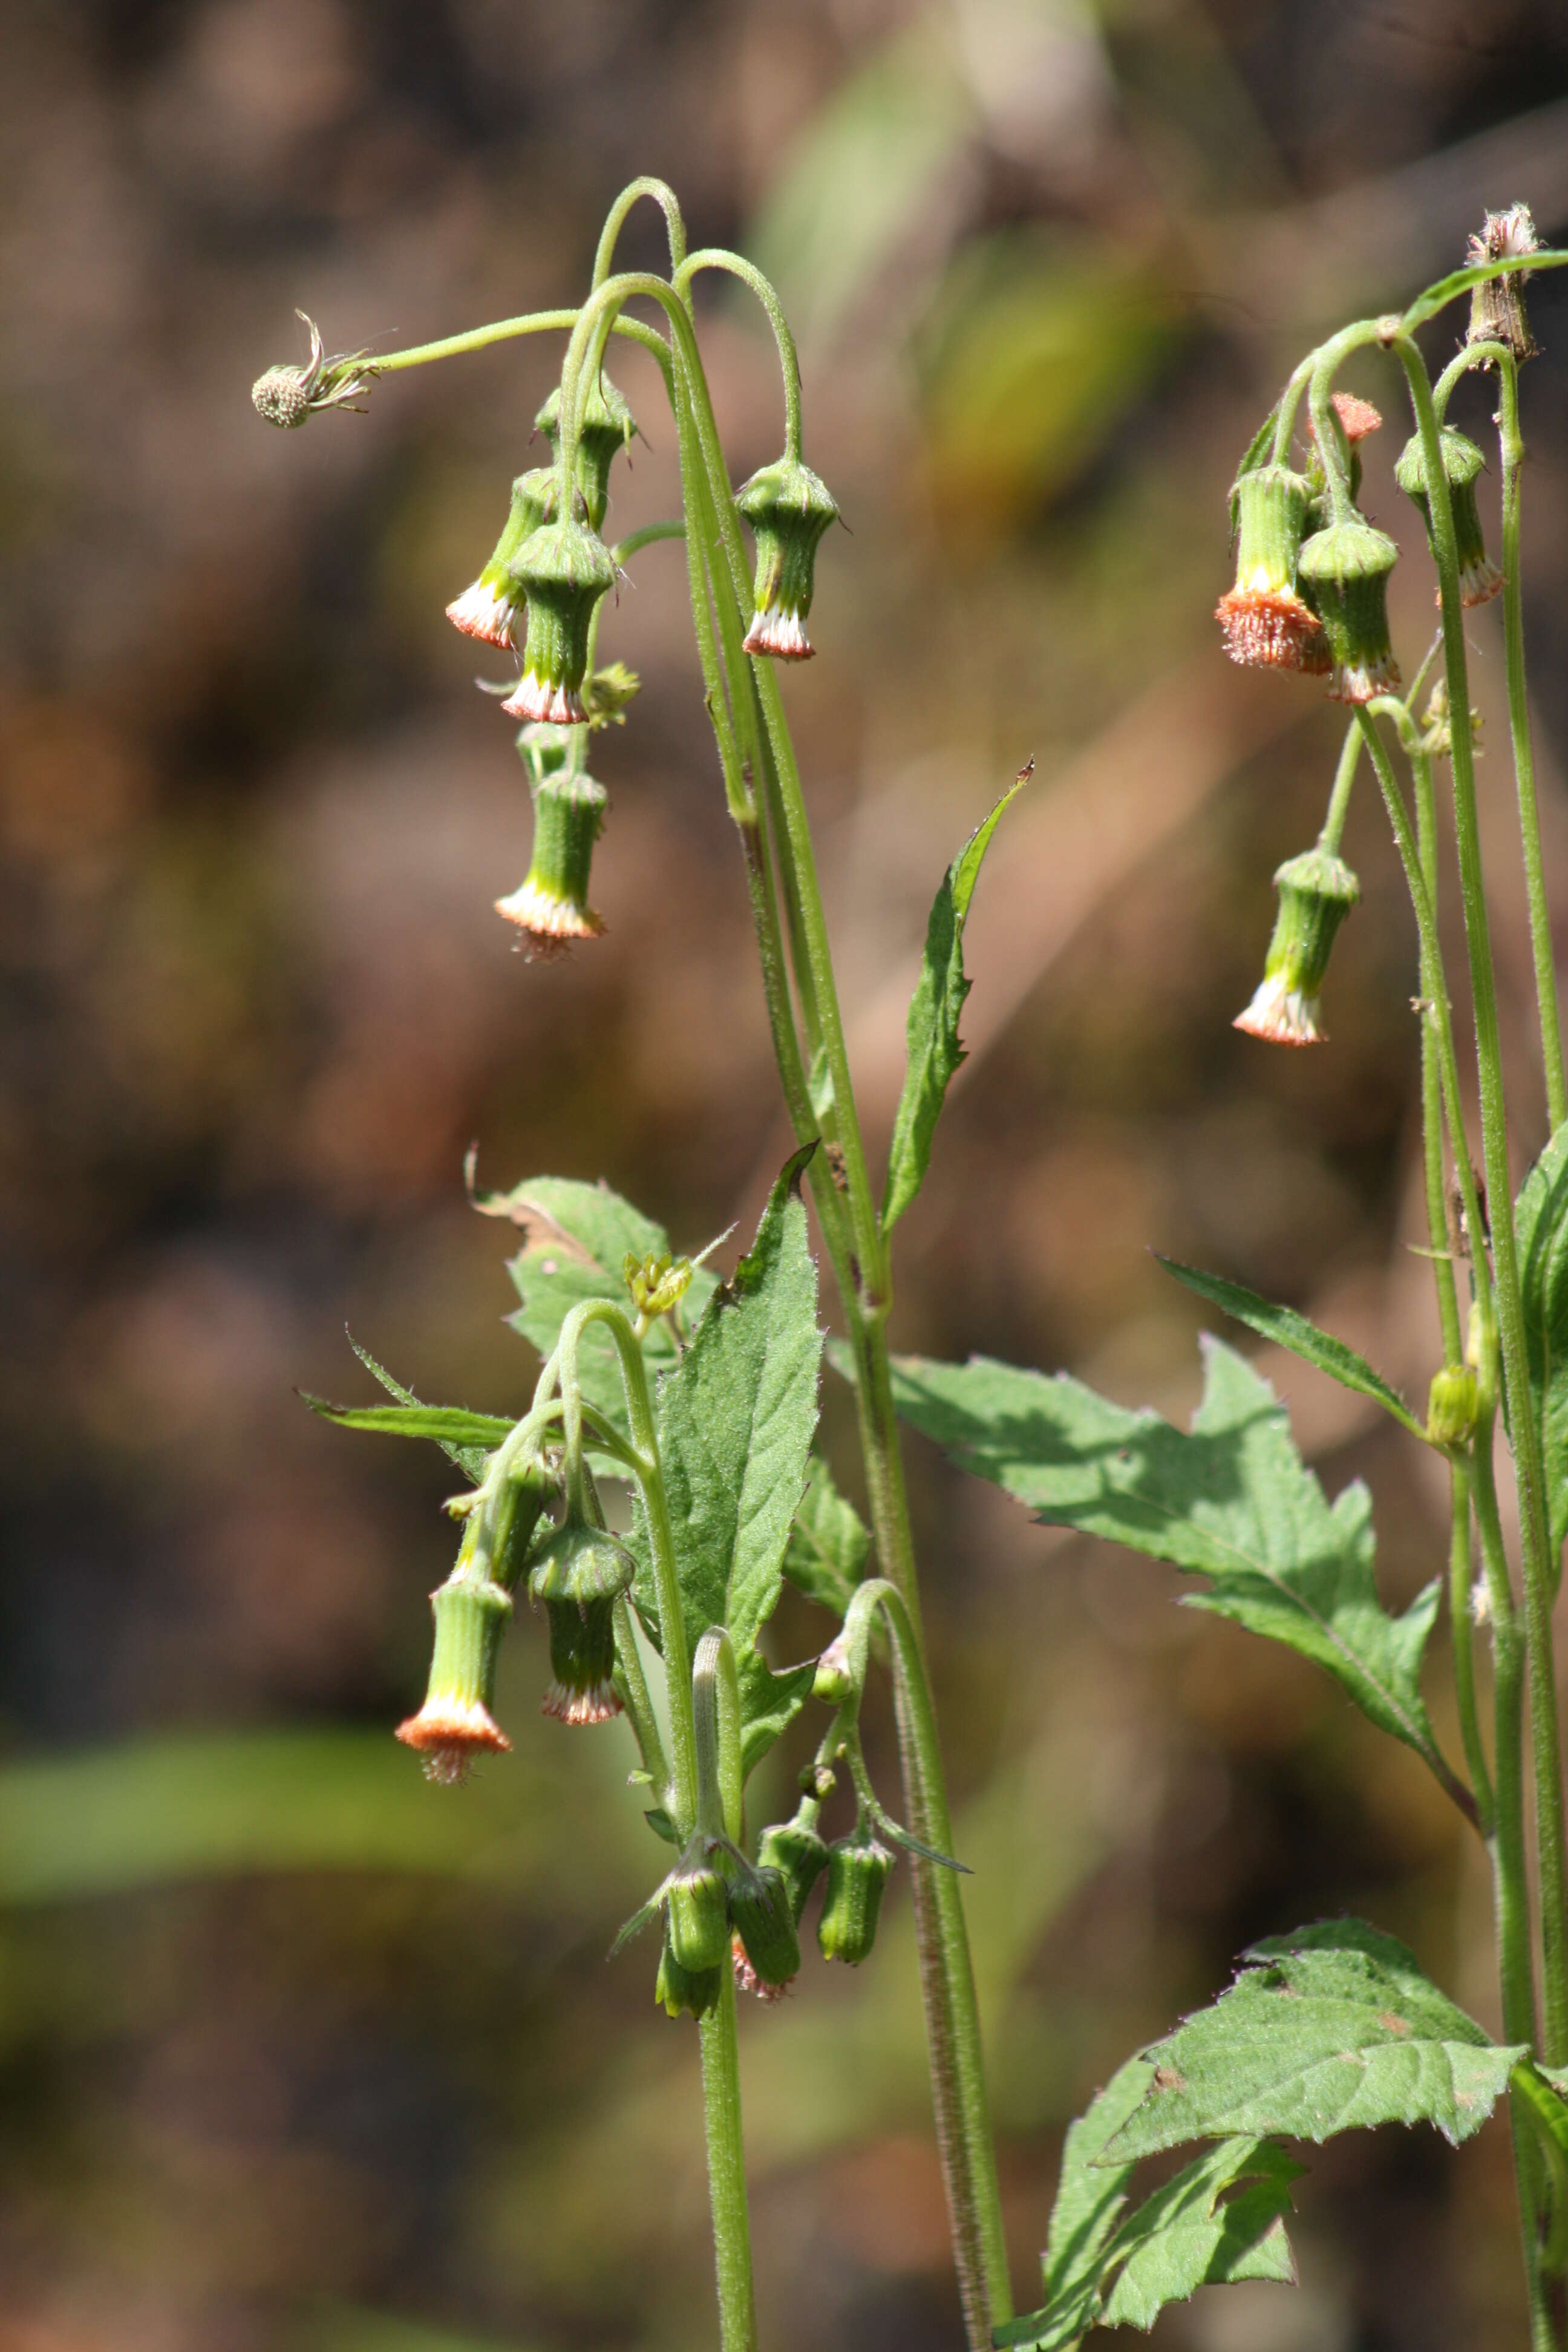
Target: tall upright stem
{"type": "Point", "coordinates": [727, 2170]}
{"type": "Point", "coordinates": [1523, 1427]}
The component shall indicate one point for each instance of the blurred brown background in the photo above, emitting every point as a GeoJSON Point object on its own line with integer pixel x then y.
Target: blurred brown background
{"type": "Point", "coordinates": [295, 2052]}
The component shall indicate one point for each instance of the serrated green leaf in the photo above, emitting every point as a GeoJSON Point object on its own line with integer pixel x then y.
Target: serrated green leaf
{"type": "Point", "coordinates": [1540, 1226]}
{"type": "Point", "coordinates": [1288, 1330]}
{"type": "Point", "coordinates": [1101, 2269]}
{"type": "Point", "coordinates": [469, 1458]}
{"type": "Point", "coordinates": [576, 1238]}
{"type": "Point", "coordinates": [735, 1419]}
{"type": "Point", "coordinates": [1232, 1501]}
{"type": "Point", "coordinates": [828, 1543]}
{"type": "Point", "coordinates": [1332, 2029]}
{"type": "Point", "coordinates": [448, 1425]}
{"type": "Point", "coordinates": [934, 1053]}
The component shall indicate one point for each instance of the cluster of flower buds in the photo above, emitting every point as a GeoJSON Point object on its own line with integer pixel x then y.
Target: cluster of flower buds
{"type": "Point", "coordinates": [789, 507]}
{"type": "Point", "coordinates": [1316, 892]}
{"type": "Point", "coordinates": [721, 1910]}
{"type": "Point", "coordinates": [1463, 464]}
{"type": "Point", "coordinates": [658, 1282]}
{"type": "Point", "coordinates": [579, 1573]}
{"type": "Point", "coordinates": [472, 1610]}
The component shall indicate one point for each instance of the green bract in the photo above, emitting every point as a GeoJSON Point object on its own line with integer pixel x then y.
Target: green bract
{"type": "Point", "coordinates": [562, 569]}
{"type": "Point", "coordinates": [788, 507]}
{"type": "Point", "coordinates": [607, 428]}
{"type": "Point", "coordinates": [1343, 572]}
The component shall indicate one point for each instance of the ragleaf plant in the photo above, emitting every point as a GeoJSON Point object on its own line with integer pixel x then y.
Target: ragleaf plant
{"type": "Point", "coordinates": [700, 1396]}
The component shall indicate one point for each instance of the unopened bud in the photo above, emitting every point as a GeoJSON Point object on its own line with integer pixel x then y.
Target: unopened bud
{"type": "Point", "coordinates": [454, 1723]}
{"type": "Point", "coordinates": [834, 1680]}
{"type": "Point", "coordinates": [1354, 419]}
{"type": "Point", "coordinates": [489, 609]}
{"type": "Point", "coordinates": [1453, 1403]}
{"type": "Point", "coordinates": [788, 507]}
{"type": "Point", "coordinates": [549, 906]}
{"type": "Point", "coordinates": [697, 1916]}
{"type": "Point", "coordinates": [798, 1854]}
{"type": "Point", "coordinates": [1268, 623]}
{"type": "Point", "coordinates": [1479, 579]}
{"type": "Point", "coordinates": [685, 1992]}
{"type": "Point", "coordinates": [1496, 306]}
{"type": "Point", "coordinates": [579, 1574]}
{"type": "Point", "coordinates": [607, 428]}
{"type": "Point", "coordinates": [767, 1954]}
{"type": "Point", "coordinates": [1343, 571]}
{"type": "Point", "coordinates": [858, 1870]}
{"type": "Point", "coordinates": [1316, 892]}
{"type": "Point", "coordinates": [562, 569]}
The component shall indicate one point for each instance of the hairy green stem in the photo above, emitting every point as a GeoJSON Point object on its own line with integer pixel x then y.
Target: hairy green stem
{"type": "Point", "coordinates": [1523, 1427]}
{"type": "Point", "coordinates": [1432, 986]}
{"type": "Point", "coordinates": [661, 193]}
{"type": "Point", "coordinates": [727, 2170]}
{"type": "Point", "coordinates": [501, 330]}
{"type": "Point", "coordinates": [719, 257]}
{"type": "Point", "coordinates": [1333, 829]}
{"type": "Point", "coordinates": [631, 1682]}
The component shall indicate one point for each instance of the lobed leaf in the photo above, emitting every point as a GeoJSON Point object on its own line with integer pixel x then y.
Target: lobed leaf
{"type": "Point", "coordinates": [1540, 1227]}
{"type": "Point", "coordinates": [829, 1543]}
{"type": "Point", "coordinates": [1232, 1501]}
{"type": "Point", "coordinates": [1332, 2029]}
{"type": "Point", "coordinates": [1288, 1330]}
{"type": "Point", "coordinates": [736, 1417]}
{"type": "Point", "coordinates": [934, 1049]}
{"type": "Point", "coordinates": [1103, 2270]}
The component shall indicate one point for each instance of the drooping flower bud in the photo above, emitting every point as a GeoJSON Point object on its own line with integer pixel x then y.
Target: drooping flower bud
{"type": "Point", "coordinates": [858, 1870]}
{"type": "Point", "coordinates": [489, 610]}
{"type": "Point", "coordinates": [608, 426]}
{"type": "Point", "coordinates": [549, 906]}
{"type": "Point", "coordinates": [788, 507]}
{"type": "Point", "coordinates": [767, 1950]}
{"type": "Point", "coordinates": [1497, 307]}
{"type": "Point", "coordinates": [1343, 571]}
{"type": "Point", "coordinates": [1316, 892]}
{"type": "Point", "coordinates": [685, 1991]}
{"type": "Point", "coordinates": [562, 569]}
{"type": "Point", "coordinates": [1479, 579]}
{"type": "Point", "coordinates": [579, 1574]}
{"type": "Point", "coordinates": [799, 1855]}
{"type": "Point", "coordinates": [697, 1915]}
{"type": "Point", "coordinates": [454, 1723]}
{"type": "Point", "coordinates": [1266, 622]}
{"type": "Point", "coordinates": [1453, 1403]}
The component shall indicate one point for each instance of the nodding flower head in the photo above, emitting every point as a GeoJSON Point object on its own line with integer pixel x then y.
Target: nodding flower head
{"type": "Point", "coordinates": [1463, 464]}
{"type": "Point", "coordinates": [1343, 571]}
{"type": "Point", "coordinates": [1316, 892]}
{"type": "Point", "coordinates": [765, 1950]}
{"type": "Point", "coordinates": [563, 569]}
{"type": "Point", "coordinates": [286, 396]}
{"type": "Point", "coordinates": [1497, 305]}
{"type": "Point", "coordinates": [690, 1991]}
{"type": "Point", "coordinates": [1268, 623]}
{"type": "Point", "coordinates": [549, 907]}
{"type": "Point", "coordinates": [697, 1915]}
{"type": "Point", "coordinates": [859, 1868]}
{"type": "Point", "coordinates": [799, 1855]}
{"type": "Point", "coordinates": [454, 1723]}
{"type": "Point", "coordinates": [489, 609]}
{"type": "Point", "coordinates": [788, 507]}
{"type": "Point", "coordinates": [579, 1574]}
{"type": "Point", "coordinates": [607, 428]}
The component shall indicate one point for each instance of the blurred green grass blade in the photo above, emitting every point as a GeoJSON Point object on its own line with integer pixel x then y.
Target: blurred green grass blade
{"type": "Point", "coordinates": [860, 177]}
{"type": "Point", "coordinates": [194, 1807]}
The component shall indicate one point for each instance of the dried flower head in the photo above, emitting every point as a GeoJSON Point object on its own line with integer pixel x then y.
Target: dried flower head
{"type": "Point", "coordinates": [286, 396]}
{"type": "Point", "coordinates": [1496, 306]}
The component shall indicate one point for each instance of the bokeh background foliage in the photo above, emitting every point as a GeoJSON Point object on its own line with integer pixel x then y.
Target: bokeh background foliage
{"type": "Point", "coordinates": [294, 2050]}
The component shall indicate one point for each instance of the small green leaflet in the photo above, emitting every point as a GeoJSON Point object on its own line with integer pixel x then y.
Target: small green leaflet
{"type": "Point", "coordinates": [1332, 2029]}
{"type": "Point", "coordinates": [1540, 1227]}
{"type": "Point", "coordinates": [1259, 450]}
{"type": "Point", "coordinates": [1232, 1501]}
{"type": "Point", "coordinates": [1458, 281]}
{"type": "Point", "coordinates": [576, 1237]}
{"type": "Point", "coordinates": [448, 1425]}
{"type": "Point", "coordinates": [1103, 2270]}
{"type": "Point", "coordinates": [828, 1544]}
{"type": "Point", "coordinates": [1288, 1330]}
{"type": "Point", "coordinates": [933, 1050]}
{"type": "Point", "coordinates": [736, 1418]}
